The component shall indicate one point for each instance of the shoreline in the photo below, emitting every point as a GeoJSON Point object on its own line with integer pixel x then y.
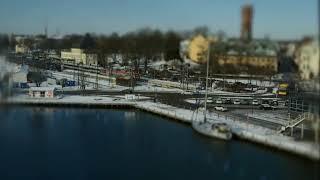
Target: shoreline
{"type": "Point", "coordinates": [240, 130]}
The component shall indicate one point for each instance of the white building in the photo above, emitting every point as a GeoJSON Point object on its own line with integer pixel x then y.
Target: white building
{"type": "Point", "coordinates": [20, 48]}
{"type": "Point", "coordinates": [308, 60]}
{"type": "Point", "coordinates": [78, 56]}
{"type": "Point", "coordinates": [42, 92]}
{"type": "Point", "coordinates": [20, 75]}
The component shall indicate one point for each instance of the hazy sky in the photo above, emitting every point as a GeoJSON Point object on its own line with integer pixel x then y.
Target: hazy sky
{"type": "Point", "coordinates": [276, 18]}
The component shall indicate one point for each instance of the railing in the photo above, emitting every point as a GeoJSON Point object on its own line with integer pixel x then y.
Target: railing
{"type": "Point", "coordinates": [295, 122]}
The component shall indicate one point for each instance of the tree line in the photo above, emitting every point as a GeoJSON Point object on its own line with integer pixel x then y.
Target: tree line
{"type": "Point", "coordinates": [4, 43]}
{"type": "Point", "coordinates": [144, 44]}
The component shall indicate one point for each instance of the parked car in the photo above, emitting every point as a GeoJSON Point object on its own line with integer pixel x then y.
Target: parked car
{"type": "Point", "coordinates": [228, 101]}
{"type": "Point", "coordinates": [274, 103]}
{"type": "Point", "coordinates": [218, 101]}
{"type": "Point", "coordinates": [187, 92]}
{"type": "Point", "coordinates": [255, 102]}
{"type": "Point", "coordinates": [236, 102]}
{"type": "Point", "coordinates": [221, 108]}
{"type": "Point", "coordinates": [265, 107]}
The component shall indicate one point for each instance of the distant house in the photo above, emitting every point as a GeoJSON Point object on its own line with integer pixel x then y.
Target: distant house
{"type": "Point", "coordinates": [42, 92]}
{"type": "Point", "coordinates": [307, 59]}
{"type": "Point", "coordinates": [21, 48]}
{"type": "Point", "coordinates": [19, 78]}
{"type": "Point", "coordinates": [79, 56]}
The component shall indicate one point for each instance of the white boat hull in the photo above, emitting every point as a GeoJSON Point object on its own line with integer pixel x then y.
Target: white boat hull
{"type": "Point", "coordinates": [205, 129]}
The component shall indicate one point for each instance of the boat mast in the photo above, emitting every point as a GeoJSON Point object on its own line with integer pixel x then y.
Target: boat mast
{"type": "Point", "coordinates": [206, 95]}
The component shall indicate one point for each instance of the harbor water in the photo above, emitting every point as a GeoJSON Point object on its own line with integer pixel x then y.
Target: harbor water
{"type": "Point", "coordinates": [76, 143]}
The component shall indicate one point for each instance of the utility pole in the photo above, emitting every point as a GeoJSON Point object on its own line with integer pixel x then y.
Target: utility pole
{"type": "Point", "coordinates": [74, 69]}
{"type": "Point", "coordinates": [83, 80]}
{"type": "Point", "coordinates": [79, 84]}
{"type": "Point", "coordinates": [187, 77]}
{"type": "Point", "coordinates": [97, 78]}
{"type": "Point", "coordinates": [131, 78]}
{"type": "Point", "coordinates": [154, 88]}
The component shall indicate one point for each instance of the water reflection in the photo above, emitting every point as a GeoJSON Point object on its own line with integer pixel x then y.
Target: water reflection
{"type": "Point", "coordinates": [116, 144]}
{"type": "Point", "coordinates": [130, 115]}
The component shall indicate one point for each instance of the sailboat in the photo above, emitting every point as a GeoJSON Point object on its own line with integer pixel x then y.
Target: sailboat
{"type": "Point", "coordinates": [216, 129]}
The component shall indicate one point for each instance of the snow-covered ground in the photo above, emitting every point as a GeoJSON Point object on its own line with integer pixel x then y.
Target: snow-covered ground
{"type": "Point", "coordinates": [147, 88]}
{"type": "Point", "coordinates": [278, 116]}
{"type": "Point", "coordinates": [102, 83]}
{"type": "Point", "coordinates": [76, 99]}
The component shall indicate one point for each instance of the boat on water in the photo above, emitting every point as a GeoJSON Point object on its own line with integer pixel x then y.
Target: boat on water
{"type": "Point", "coordinates": [212, 129]}
{"type": "Point", "coordinates": [217, 130]}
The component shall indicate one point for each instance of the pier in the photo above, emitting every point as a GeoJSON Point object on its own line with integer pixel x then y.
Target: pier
{"type": "Point", "coordinates": [240, 129]}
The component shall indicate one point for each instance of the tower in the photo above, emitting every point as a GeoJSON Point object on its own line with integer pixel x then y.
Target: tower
{"type": "Point", "coordinates": [246, 23]}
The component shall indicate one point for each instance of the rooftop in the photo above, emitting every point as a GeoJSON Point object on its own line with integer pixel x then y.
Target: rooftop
{"type": "Point", "coordinates": [238, 47]}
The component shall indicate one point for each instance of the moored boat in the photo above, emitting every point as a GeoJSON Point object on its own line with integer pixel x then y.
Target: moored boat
{"type": "Point", "coordinates": [216, 130]}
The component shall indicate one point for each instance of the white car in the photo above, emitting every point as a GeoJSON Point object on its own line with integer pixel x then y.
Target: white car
{"type": "Point", "coordinates": [186, 92]}
{"type": "Point", "coordinates": [218, 101]}
{"type": "Point", "coordinates": [255, 102]}
{"type": "Point", "coordinates": [221, 108]}
{"type": "Point", "coordinates": [236, 102]}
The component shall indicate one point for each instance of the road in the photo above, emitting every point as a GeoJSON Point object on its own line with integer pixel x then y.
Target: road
{"type": "Point", "coordinates": [178, 100]}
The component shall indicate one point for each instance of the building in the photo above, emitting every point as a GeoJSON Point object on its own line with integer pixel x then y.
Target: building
{"type": "Point", "coordinates": [75, 55]}
{"type": "Point", "coordinates": [256, 57]}
{"type": "Point", "coordinates": [19, 77]}
{"type": "Point", "coordinates": [246, 22]}
{"type": "Point", "coordinates": [42, 92]}
{"type": "Point", "coordinates": [79, 56]}
{"type": "Point", "coordinates": [21, 48]}
{"type": "Point", "coordinates": [307, 59]}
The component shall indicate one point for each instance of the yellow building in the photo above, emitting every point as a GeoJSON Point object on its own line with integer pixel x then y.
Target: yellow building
{"type": "Point", "coordinates": [79, 57]}
{"type": "Point", "coordinates": [197, 48]}
{"type": "Point", "coordinates": [236, 56]}
{"type": "Point", "coordinates": [258, 64]}
{"type": "Point", "coordinates": [21, 48]}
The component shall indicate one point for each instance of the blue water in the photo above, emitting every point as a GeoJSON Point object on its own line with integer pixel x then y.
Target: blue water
{"type": "Point", "coordinates": [56, 143]}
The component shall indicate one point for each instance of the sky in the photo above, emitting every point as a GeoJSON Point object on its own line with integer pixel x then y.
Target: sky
{"type": "Point", "coordinates": [279, 19]}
